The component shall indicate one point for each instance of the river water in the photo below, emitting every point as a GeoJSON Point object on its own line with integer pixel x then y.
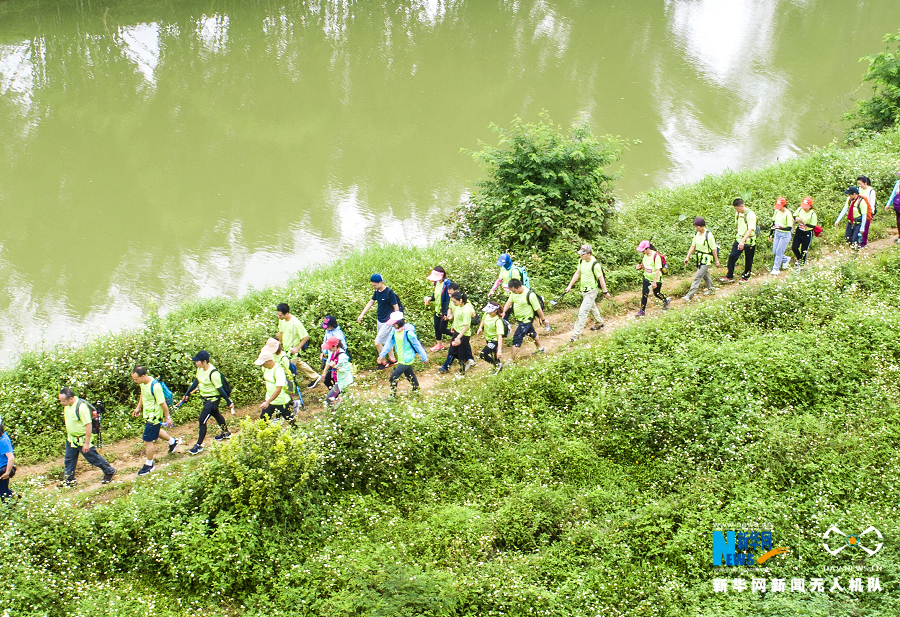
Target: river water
{"type": "Point", "coordinates": [156, 151]}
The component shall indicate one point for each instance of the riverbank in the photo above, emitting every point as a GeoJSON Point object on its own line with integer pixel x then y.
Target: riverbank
{"type": "Point", "coordinates": [233, 330]}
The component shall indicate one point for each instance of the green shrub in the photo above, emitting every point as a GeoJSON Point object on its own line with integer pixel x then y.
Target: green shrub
{"type": "Point", "coordinates": [541, 186]}
{"type": "Point", "coordinates": [882, 111]}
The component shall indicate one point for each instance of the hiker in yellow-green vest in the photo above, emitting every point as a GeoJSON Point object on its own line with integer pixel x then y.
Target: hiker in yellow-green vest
{"type": "Point", "coordinates": [77, 414]}
{"type": "Point", "coordinates": [744, 242]}
{"type": "Point", "coordinates": [704, 245]}
{"type": "Point", "coordinates": [156, 413]}
{"type": "Point", "coordinates": [590, 273]}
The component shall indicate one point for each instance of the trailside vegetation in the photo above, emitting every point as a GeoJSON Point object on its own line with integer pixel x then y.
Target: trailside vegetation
{"type": "Point", "coordinates": [882, 111]}
{"type": "Point", "coordinates": [541, 185]}
{"type": "Point", "coordinates": [586, 484]}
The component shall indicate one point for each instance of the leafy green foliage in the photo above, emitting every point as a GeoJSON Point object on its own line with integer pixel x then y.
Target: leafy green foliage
{"type": "Point", "coordinates": [541, 185]}
{"type": "Point", "coordinates": [882, 111]}
{"type": "Point", "coordinates": [584, 484]}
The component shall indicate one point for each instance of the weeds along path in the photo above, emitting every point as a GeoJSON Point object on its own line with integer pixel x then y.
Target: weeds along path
{"type": "Point", "coordinates": [127, 455]}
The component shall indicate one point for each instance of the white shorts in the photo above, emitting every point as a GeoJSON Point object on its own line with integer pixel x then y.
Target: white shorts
{"type": "Point", "coordinates": [384, 333]}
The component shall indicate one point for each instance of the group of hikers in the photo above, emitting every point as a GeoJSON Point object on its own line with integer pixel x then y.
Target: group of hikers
{"type": "Point", "coordinates": [454, 317]}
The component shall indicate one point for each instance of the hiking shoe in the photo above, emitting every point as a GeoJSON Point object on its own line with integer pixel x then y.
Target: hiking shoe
{"type": "Point", "coordinates": [726, 280]}
{"type": "Point", "coordinates": [539, 350]}
{"type": "Point", "coordinates": [640, 313]}
{"type": "Point", "coordinates": [688, 299]}
{"type": "Point", "coordinates": [597, 327]}
{"type": "Point", "coordinates": [442, 370]}
{"type": "Point", "coordinates": [223, 436]}
{"type": "Point", "coordinates": [744, 279]}
{"type": "Point", "coordinates": [709, 292]}
{"type": "Point", "coordinates": [437, 347]}
{"type": "Point", "coordinates": [174, 445]}
{"type": "Point", "coordinates": [572, 339]}
{"type": "Point", "coordinates": [470, 363]}
{"type": "Point", "coordinates": [107, 477]}
{"type": "Point", "coordinates": [499, 368]}
{"type": "Point", "coordinates": [666, 304]}
{"type": "Point", "coordinates": [146, 469]}
{"type": "Point", "coordinates": [67, 484]}
{"type": "Point", "coordinates": [314, 383]}
{"type": "Point", "coordinates": [774, 273]}
{"type": "Point", "coordinates": [196, 449]}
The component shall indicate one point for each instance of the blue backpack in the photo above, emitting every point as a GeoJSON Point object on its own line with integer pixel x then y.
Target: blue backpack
{"type": "Point", "coordinates": [523, 274]}
{"type": "Point", "coordinates": [167, 393]}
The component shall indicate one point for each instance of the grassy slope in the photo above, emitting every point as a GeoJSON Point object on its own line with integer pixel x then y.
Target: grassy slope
{"type": "Point", "coordinates": [587, 484]}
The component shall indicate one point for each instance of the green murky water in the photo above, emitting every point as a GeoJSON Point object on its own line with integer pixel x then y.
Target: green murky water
{"type": "Point", "coordinates": [152, 151]}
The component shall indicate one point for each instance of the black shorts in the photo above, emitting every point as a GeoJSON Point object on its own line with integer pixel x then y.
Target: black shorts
{"type": "Point", "coordinates": [525, 328]}
{"type": "Point", "coordinates": [151, 431]}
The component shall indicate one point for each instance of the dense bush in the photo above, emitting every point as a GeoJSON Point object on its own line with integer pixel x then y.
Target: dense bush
{"type": "Point", "coordinates": [882, 111]}
{"type": "Point", "coordinates": [585, 484]}
{"type": "Point", "coordinates": [541, 185]}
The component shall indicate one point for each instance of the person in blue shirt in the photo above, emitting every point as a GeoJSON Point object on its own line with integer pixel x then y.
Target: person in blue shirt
{"type": "Point", "coordinates": [405, 342]}
{"type": "Point", "coordinates": [7, 460]}
{"type": "Point", "coordinates": [388, 303]}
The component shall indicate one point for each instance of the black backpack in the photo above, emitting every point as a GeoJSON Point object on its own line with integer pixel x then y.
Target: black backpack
{"type": "Point", "coordinates": [225, 385]}
{"type": "Point", "coordinates": [539, 297]}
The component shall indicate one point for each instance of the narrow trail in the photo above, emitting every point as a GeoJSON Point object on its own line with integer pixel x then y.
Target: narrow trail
{"type": "Point", "coordinates": [127, 455]}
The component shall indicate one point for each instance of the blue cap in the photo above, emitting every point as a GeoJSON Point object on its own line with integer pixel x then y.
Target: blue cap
{"type": "Point", "coordinates": [376, 278]}
{"type": "Point", "coordinates": [505, 261]}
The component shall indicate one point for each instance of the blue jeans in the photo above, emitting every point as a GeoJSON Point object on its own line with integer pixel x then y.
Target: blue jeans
{"type": "Point", "coordinates": [91, 456]}
{"type": "Point", "coordinates": [780, 242]}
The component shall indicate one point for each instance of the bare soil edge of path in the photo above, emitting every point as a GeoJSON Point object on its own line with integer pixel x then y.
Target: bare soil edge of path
{"type": "Point", "coordinates": [127, 455]}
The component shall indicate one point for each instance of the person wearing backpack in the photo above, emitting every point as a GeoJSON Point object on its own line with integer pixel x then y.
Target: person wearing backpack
{"type": "Point", "coordinates": [332, 329]}
{"type": "Point", "coordinates": [339, 364]}
{"type": "Point", "coordinates": [155, 410]}
{"type": "Point", "coordinates": [652, 266]}
{"type": "Point", "coordinates": [782, 225]}
{"type": "Point", "coordinates": [440, 295]}
{"type": "Point", "coordinates": [508, 272]}
{"type": "Point", "coordinates": [460, 315]}
{"type": "Point", "coordinates": [856, 211]}
{"type": "Point", "coordinates": [294, 339]}
{"type": "Point", "coordinates": [7, 463]}
{"type": "Point", "coordinates": [277, 399]}
{"type": "Point", "coordinates": [894, 202]}
{"type": "Point", "coordinates": [405, 342]}
{"type": "Point", "coordinates": [274, 347]}
{"type": "Point", "coordinates": [525, 304]}
{"type": "Point", "coordinates": [868, 191]}
{"type": "Point", "coordinates": [212, 389]}
{"type": "Point", "coordinates": [388, 303]}
{"type": "Point", "coordinates": [495, 328]}
{"type": "Point", "coordinates": [704, 245]}
{"type": "Point", "coordinates": [78, 419]}
{"type": "Point", "coordinates": [807, 221]}
{"type": "Point", "coordinates": [590, 273]}
{"type": "Point", "coordinates": [745, 241]}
